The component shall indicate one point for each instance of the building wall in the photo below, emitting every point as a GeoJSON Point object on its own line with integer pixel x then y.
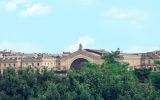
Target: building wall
{"type": "Point", "coordinates": [68, 60]}
{"type": "Point", "coordinates": [137, 61]}
{"type": "Point", "coordinates": [61, 63]}
{"type": "Point", "coordinates": [133, 60]}
{"type": "Point", "coordinates": [40, 63]}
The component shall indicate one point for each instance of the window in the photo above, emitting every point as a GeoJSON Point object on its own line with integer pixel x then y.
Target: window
{"type": "Point", "coordinates": [37, 64]}
{"type": "Point", "coordinates": [143, 61]}
{"type": "Point", "coordinates": [154, 69]}
{"type": "Point", "coordinates": [149, 61]}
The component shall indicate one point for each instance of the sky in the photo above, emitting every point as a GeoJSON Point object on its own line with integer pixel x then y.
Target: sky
{"type": "Point", "coordinates": [55, 26]}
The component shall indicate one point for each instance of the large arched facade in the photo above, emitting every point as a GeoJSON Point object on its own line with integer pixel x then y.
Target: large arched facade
{"type": "Point", "coordinates": [76, 59]}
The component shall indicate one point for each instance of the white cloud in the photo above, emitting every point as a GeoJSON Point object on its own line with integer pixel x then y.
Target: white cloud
{"type": "Point", "coordinates": [132, 16]}
{"type": "Point", "coordinates": [24, 47]}
{"type": "Point", "coordinates": [85, 41]}
{"type": "Point", "coordinates": [27, 7]}
{"type": "Point", "coordinates": [118, 13]}
{"type": "Point", "coordinates": [36, 9]}
{"type": "Point", "coordinates": [140, 49]}
{"type": "Point", "coordinates": [12, 4]}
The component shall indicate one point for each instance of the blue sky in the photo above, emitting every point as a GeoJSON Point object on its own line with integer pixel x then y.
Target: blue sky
{"type": "Point", "coordinates": [60, 25]}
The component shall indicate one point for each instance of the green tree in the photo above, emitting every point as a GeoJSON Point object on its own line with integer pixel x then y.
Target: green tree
{"type": "Point", "coordinates": [142, 74]}
{"type": "Point", "coordinates": [109, 81]}
{"type": "Point", "coordinates": [111, 57]}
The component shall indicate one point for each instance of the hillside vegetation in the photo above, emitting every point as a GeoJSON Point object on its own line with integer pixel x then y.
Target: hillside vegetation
{"type": "Point", "coordinates": [109, 81]}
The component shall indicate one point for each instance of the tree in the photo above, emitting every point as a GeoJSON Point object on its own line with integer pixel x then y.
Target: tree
{"type": "Point", "coordinates": [109, 81]}
{"type": "Point", "coordinates": [142, 74]}
{"type": "Point", "coordinates": [155, 78]}
{"type": "Point", "coordinates": [157, 62]}
{"type": "Point", "coordinates": [111, 57]}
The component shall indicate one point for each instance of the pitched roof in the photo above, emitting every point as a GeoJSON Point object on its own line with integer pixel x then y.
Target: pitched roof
{"type": "Point", "coordinates": [100, 52]}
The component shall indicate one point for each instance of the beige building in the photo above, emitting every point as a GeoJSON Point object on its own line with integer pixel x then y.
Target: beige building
{"type": "Point", "coordinates": [67, 60]}
{"type": "Point", "coordinates": [19, 60]}
{"type": "Point", "coordinates": [138, 60]}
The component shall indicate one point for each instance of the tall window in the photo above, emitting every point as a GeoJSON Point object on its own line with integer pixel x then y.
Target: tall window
{"type": "Point", "coordinates": [38, 64]}
{"type": "Point", "coordinates": [143, 62]}
{"type": "Point", "coordinates": [149, 61]}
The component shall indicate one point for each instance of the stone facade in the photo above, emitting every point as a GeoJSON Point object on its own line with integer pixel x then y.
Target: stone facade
{"type": "Point", "coordinates": [61, 62]}
{"type": "Point", "coordinates": [138, 60]}
{"type": "Point", "coordinates": [19, 60]}
{"type": "Point", "coordinates": [90, 56]}
{"type": "Point", "coordinates": [65, 61]}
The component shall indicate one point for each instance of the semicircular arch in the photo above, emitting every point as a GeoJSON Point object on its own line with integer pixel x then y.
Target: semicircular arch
{"type": "Point", "coordinates": [80, 58]}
